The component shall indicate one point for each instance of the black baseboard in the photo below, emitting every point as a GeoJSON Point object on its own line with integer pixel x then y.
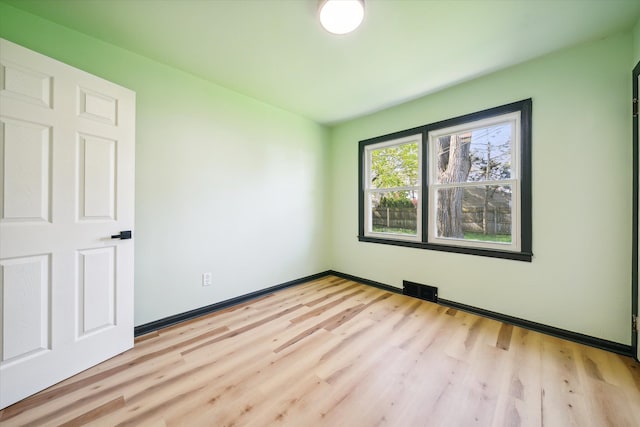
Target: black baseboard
{"type": "Point", "coordinates": [600, 343]}
{"type": "Point", "coordinates": [534, 326]}
{"type": "Point", "coordinates": [188, 315]}
{"type": "Point", "coordinates": [542, 328]}
{"type": "Point", "coordinates": [366, 281]}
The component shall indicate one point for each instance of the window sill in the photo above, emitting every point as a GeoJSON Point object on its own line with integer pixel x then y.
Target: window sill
{"type": "Point", "coordinates": [516, 256]}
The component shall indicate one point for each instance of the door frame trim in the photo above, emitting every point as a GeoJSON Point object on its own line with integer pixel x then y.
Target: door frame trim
{"type": "Point", "coordinates": [636, 189]}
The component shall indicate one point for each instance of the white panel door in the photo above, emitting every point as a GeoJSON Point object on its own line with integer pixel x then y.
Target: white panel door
{"type": "Point", "coordinates": [66, 186]}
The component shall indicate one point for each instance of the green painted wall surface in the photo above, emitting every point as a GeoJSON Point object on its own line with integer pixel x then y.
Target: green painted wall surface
{"type": "Point", "coordinates": [224, 183]}
{"type": "Point", "coordinates": [580, 276]}
{"type": "Point", "coordinates": [636, 43]}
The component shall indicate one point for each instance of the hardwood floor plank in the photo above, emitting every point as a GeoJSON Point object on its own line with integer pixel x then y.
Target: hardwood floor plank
{"type": "Point", "coordinates": [332, 352]}
{"type": "Point", "coordinates": [327, 306]}
{"type": "Point", "coordinates": [242, 330]}
{"type": "Point", "coordinates": [563, 394]}
{"type": "Point", "coordinates": [504, 337]}
{"type": "Point", "coordinates": [95, 413]}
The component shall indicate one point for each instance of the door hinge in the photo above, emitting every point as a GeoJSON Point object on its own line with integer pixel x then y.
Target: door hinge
{"type": "Point", "coordinates": [634, 323]}
{"type": "Point", "coordinates": [635, 107]}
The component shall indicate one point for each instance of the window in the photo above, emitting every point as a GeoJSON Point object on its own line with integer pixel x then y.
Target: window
{"type": "Point", "coordinates": [392, 193]}
{"type": "Point", "coordinates": [460, 185]}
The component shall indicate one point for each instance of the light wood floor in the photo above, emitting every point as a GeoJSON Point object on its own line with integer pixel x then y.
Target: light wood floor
{"type": "Point", "coordinates": [336, 353]}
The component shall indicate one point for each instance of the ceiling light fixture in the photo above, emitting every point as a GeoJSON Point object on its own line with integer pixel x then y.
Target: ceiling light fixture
{"type": "Point", "coordinates": [341, 16]}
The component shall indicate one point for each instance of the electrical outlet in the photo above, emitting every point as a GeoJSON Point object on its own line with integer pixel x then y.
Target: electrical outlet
{"type": "Point", "coordinates": [207, 278]}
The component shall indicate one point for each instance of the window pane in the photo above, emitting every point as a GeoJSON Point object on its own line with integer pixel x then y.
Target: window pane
{"type": "Point", "coordinates": [481, 213]}
{"type": "Point", "coordinates": [482, 154]}
{"type": "Point", "coordinates": [394, 212]}
{"type": "Point", "coordinates": [395, 166]}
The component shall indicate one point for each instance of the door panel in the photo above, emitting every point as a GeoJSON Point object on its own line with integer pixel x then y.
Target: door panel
{"type": "Point", "coordinates": [26, 157]}
{"type": "Point", "coordinates": [66, 186]}
{"type": "Point", "coordinates": [96, 289]}
{"type": "Point", "coordinates": [97, 177]}
{"type": "Point", "coordinates": [25, 84]}
{"type": "Point", "coordinates": [25, 307]}
{"type": "Point", "coordinates": [98, 106]}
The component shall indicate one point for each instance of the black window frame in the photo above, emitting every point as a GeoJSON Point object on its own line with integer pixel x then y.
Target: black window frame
{"type": "Point", "coordinates": [525, 252]}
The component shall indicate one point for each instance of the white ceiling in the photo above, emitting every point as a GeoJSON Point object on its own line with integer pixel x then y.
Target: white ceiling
{"type": "Point", "coordinates": [275, 50]}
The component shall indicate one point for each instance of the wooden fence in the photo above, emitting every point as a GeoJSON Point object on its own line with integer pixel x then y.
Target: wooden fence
{"type": "Point", "coordinates": [498, 219]}
{"type": "Point", "coordinates": [394, 218]}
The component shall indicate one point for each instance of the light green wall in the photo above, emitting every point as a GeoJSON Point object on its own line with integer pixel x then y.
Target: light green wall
{"type": "Point", "coordinates": [224, 183]}
{"type": "Point", "coordinates": [580, 276]}
{"type": "Point", "coordinates": [636, 43]}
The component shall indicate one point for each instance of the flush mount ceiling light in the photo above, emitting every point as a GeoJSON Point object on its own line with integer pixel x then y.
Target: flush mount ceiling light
{"type": "Point", "coordinates": [341, 16]}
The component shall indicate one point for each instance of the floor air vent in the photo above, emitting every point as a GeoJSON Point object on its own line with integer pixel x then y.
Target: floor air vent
{"type": "Point", "coordinates": [428, 293]}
